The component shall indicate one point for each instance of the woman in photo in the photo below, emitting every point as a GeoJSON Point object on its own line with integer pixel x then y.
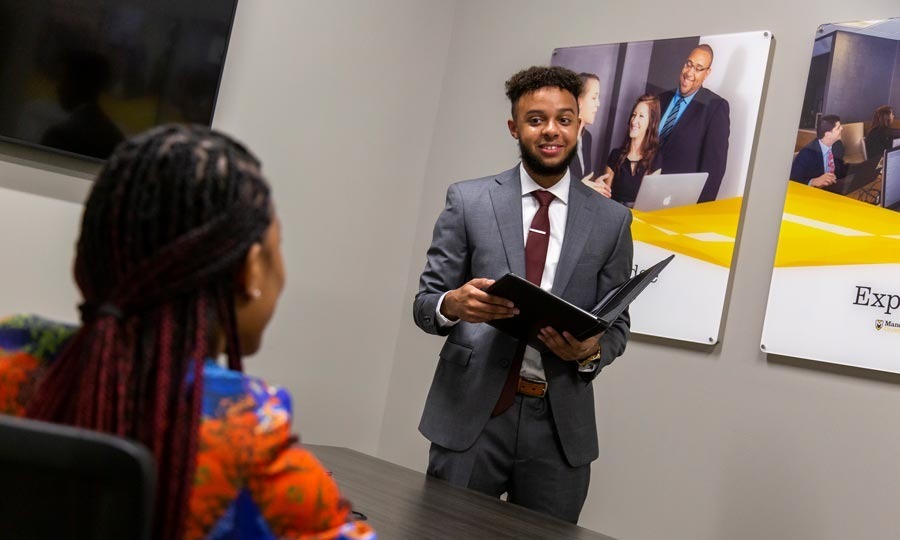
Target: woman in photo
{"type": "Point", "coordinates": [639, 153]}
{"type": "Point", "coordinates": [881, 135]}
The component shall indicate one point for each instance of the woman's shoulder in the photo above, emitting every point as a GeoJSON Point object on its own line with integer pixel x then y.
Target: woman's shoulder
{"type": "Point", "coordinates": [34, 335]}
{"type": "Point", "coordinates": [227, 392]}
{"type": "Point", "coordinates": [613, 156]}
{"type": "Point", "coordinates": [28, 343]}
{"type": "Point", "coordinates": [246, 453]}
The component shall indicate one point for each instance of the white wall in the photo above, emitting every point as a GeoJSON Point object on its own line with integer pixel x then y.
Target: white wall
{"type": "Point", "coordinates": [38, 236]}
{"type": "Point", "coordinates": [697, 443]}
{"type": "Point", "coordinates": [738, 74]}
{"type": "Point", "coordinates": [40, 216]}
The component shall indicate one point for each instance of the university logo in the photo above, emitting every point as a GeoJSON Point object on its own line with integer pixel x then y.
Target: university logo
{"type": "Point", "coordinates": [887, 325]}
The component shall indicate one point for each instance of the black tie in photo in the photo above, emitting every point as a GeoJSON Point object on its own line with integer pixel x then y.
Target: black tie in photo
{"type": "Point", "coordinates": [535, 257]}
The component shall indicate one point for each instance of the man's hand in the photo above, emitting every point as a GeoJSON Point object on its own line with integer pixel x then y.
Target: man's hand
{"type": "Point", "coordinates": [825, 180]}
{"type": "Point", "coordinates": [599, 185]}
{"type": "Point", "coordinates": [471, 304]}
{"type": "Point", "coordinates": [566, 346]}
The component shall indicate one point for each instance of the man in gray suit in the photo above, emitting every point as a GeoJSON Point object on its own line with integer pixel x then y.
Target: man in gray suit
{"type": "Point", "coordinates": [501, 416]}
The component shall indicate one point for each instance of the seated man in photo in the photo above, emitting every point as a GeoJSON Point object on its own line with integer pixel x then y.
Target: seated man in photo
{"type": "Point", "coordinates": [821, 162]}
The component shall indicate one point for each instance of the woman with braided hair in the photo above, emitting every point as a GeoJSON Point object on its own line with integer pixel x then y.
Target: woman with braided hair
{"type": "Point", "coordinates": [179, 262]}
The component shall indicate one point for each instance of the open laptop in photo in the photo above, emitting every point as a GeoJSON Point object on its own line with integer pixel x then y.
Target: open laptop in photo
{"type": "Point", "coordinates": [890, 186]}
{"type": "Point", "coordinates": [858, 175]}
{"type": "Point", "coordinates": [660, 191]}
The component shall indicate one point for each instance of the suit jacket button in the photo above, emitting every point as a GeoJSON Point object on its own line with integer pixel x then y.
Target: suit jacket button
{"type": "Point", "coordinates": [427, 320]}
{"type": "Point", "coordinates": [504, 362]}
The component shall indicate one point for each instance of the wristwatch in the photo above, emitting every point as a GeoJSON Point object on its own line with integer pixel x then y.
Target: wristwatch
{"type": "Point", "coordinates": [592, 358]}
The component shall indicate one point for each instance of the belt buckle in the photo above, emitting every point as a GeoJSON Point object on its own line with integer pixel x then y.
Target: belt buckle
{"type": "Point", "coordinates": [532, 388]}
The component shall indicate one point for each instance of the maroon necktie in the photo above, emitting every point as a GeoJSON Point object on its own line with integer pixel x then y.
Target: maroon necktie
{"type": "Point", "coordinates": [535, 256]}
{"type": "Point", "coordinates": [830, 161]}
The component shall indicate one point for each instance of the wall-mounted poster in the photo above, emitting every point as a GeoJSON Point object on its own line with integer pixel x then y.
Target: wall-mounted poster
{"type": "Point", "coordinates": [668, 129]}
{"type": "Point", "coordinates": [835, 292]}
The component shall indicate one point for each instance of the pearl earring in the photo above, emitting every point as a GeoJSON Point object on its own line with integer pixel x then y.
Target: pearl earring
{"type": "Point", "coordinates": [255, 294]}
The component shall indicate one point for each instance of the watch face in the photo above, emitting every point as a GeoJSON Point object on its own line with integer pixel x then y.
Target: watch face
{"type": "Point", "coordinates": [587, 367]}
{"type": "Point", "coordinates": [589, 361]}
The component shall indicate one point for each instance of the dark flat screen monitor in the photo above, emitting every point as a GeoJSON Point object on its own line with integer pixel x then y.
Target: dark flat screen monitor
{"type": "Point", "coordinates": [79, 76]}
{"type": "Point", "coordinates": [890, 191]}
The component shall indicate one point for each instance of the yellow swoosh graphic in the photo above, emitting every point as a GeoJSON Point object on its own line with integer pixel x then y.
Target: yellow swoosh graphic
{"type": "Point", "coordinates": [825, 229]}
{"type": "Point", "coordinates": [703, 231]}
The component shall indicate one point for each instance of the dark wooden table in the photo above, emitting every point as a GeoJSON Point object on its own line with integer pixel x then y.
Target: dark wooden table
{"type": "Point", "coordinates": [401, 503]}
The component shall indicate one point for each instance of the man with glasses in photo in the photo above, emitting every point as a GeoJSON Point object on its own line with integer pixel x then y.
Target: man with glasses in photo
{"type": "Point", "coordinates": [694, 128]}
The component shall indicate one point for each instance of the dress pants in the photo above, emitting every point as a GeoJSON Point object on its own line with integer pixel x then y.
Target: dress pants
{"type": "Point", "coordinates": [518, 453]}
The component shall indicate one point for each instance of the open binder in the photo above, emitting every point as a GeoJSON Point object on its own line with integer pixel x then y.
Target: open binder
{"type": "Point", "coordinates": [539, 308]}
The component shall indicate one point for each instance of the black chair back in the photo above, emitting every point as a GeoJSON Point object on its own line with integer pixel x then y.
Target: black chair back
{"type": "Point", "coordinates": [64, 482]}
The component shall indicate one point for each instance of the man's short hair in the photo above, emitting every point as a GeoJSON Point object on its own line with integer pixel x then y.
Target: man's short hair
{"type": "Point", "coordinates": [537, 77]}
{"type": "Point", "coordinates": [708, 50]}
{"type": "Point", "coordinates": [584, 76]}
{"type": "Point", "coordinates": [826, 124]}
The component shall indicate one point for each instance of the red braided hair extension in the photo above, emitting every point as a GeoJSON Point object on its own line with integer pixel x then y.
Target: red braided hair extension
{"type": "Point", "coordinates": [165, 229]}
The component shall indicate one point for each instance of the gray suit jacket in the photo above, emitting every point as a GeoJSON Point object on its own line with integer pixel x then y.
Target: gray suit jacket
{"type": "Point", "coordinates": [479, 234]}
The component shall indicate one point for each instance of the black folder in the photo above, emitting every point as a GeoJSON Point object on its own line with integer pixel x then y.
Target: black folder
{"type": "Point", "coordinates": [539, 308]}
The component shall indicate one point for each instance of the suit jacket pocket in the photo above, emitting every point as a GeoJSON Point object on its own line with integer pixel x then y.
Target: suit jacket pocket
{"type": "Point", "coordinates": [458, 354]}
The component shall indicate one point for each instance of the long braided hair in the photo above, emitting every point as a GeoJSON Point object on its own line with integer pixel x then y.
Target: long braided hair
{"type": "Point", "coordinates": [165, 230]}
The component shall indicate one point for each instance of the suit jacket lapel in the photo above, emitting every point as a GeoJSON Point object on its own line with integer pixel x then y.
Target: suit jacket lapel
{"type": "Point", "coordinates": [575, 168]}
{"type": "Point", "coordinates": [576, 236]}
{"type": "Point", "coordinates": [664, 99]}
{"type": "Point", "coordinates": [820, 157]}
{"type": "Point", "coordinates": [506, 198]}
{"type": "Point", "coordinates": [587, 154]}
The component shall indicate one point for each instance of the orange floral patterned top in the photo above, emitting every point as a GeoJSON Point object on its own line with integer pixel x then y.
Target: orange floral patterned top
{"type": "Point", "coordinates": [253, 480]}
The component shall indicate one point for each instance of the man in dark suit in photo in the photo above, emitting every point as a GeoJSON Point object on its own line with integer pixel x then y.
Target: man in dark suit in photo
{"type": "Point", "coordinates": [821, 162]}
{"type": "Point", "coordinates": [502, 417]}
{"type": "Point", "coordinates": [695, 125]}
{"type": "Point", "coordinates": [588, 103]}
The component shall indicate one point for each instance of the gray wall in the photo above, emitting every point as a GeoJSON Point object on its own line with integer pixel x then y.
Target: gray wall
{"type": "Point", "coordinates": [339, 99]}
{"type": "Point", "coordinates": [363, 113]}
{"type": "Point", "coordinates": [860, 78]}
{"type": "Point", "coordinates": [697, 443]}
{"type": "Point", "coordinates": [895, 83]}
{"type": "Point", "coordinates": [666, 61]}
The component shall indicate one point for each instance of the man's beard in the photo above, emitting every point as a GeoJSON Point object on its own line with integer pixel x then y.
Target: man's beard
{"type": "Point", "coordinates": [534, 164]}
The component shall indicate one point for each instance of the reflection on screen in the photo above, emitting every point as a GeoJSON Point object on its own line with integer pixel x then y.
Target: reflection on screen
{"type": "Point", "coordinates": [81, 76]}
{"type": "Point", "coordinates": [891, 188]}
